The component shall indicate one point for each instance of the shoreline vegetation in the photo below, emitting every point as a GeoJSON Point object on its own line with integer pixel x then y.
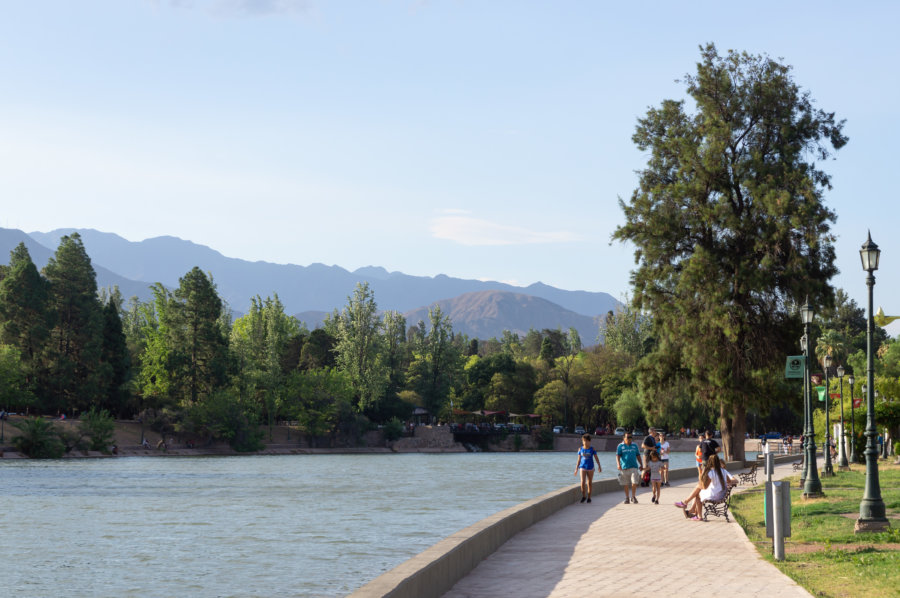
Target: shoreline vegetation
{"type": "Point", "coordinates": [283, 439]}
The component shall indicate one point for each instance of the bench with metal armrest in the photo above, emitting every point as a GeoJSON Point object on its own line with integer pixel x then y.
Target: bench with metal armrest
{"type": "Point", "coordinates": [748, 476]}
{"type": "Point", "coordinates": [719, 508]}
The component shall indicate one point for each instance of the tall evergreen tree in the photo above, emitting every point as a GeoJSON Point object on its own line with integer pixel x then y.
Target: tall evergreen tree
{"type": "Point", "coordinates": [198, 356]}
{"type": "Point", "coordinates": [115, 361]}
{"type": "Point", "coordinates": [73, 355]}
{"type": "Point", "coordinates": [730, 229]}
{"type": "Point", "coordinates": [25, 317]}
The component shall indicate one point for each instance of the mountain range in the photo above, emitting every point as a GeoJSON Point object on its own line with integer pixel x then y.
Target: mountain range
{"type": "Point", "coordinates": [481, 309]}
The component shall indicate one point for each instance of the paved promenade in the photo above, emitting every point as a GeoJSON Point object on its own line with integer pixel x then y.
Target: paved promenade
{"type": "Point", "coordinates": [591, 550]}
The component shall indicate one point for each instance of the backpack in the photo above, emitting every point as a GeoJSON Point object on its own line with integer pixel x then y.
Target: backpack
{"type": "Point", "coordinates": [645, 479]}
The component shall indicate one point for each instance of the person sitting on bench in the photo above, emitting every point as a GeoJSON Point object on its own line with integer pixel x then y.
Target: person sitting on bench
{"type": "Point", "coordinates": [712, 486]}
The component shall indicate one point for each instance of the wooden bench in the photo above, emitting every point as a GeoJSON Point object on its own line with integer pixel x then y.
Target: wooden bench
{"type": "Point", "coordinates": [719, 508]}
{"type": "Point", "coordinates": [748, 476]}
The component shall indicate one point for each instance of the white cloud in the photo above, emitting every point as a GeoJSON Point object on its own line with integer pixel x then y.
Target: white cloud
{"type": "Point", "coordinates": [474, 232]}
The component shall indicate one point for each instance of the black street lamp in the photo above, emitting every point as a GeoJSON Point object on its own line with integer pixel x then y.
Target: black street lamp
{"type": "Point", "coordinates": [871, 509]}
{"type": "Point", "coordinates": [842, 464]}
{"type": "Point", "coordinates": [829, 468]}
{"type": "Point", "coordinates": [812, 485]}
{"type": "Point", "coordinates": [852, 379]}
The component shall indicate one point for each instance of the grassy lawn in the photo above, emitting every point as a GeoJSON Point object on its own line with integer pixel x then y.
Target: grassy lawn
{"type": "Point", "coordinates": [823, 554]}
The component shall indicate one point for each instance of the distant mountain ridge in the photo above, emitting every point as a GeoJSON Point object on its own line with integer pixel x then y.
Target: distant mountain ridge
{"type": "Point", "coordinates": [134, 266]}
{"type": "Point", "coordinates": [486, 314]}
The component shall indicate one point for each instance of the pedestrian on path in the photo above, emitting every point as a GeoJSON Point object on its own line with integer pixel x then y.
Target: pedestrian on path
{"type": "Point", "coordinates": [627, 456]}
{"type": "Point", "coordinates": [648, 445]}
{"type": "Point", "coordinates": [698, 457]}
{"type": "Point", "coordinates": [655, 466]}
{"type": "Point", "coordinates": [664, 457]}
{"type": "Point", "coordinates": [586, 457]}
{"type": "Point", "coordinates": [708, 447]}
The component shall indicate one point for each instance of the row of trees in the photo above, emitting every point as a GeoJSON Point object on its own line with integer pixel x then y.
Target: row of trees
{"type": "Point", "coordinates": [180, 363]}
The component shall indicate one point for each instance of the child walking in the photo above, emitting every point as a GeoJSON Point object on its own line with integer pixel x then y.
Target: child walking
{"type": "Point", "coordinates": [586, 457]}
{"type": "Point", "coordinates": [655, 465]}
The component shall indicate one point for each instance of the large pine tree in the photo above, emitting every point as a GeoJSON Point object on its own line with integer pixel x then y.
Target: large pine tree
{"type": "Point", "coordinates": [730, 231]}
{"type": "Point", "coordinates": [198, 347]}
{"type": "Point", "coordinates": [73, 354]}
{"type": "Point", "coordinates": [25, 319]}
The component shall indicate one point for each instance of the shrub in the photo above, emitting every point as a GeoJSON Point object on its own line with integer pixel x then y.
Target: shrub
{"type": "Point", "coordinates": [393, 429]}
{"type": "Point", "coordinates": [100, 428]}
{"type": "Point", "coordinates": [39, 439]}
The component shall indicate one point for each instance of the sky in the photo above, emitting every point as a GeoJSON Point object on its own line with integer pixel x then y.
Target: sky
{"type": "Point", "coordinates": [486, 140]}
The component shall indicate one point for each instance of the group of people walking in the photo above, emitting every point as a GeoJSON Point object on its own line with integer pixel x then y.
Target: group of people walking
{"type": "Point", "coordinates": [650, 461]}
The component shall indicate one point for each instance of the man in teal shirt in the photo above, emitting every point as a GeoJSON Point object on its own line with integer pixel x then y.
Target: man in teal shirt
{"type": "Point", "coordinates": [629, 469]}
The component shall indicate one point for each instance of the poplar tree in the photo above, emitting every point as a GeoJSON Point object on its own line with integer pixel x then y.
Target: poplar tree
{"type": "Point", "coordinates": [730, 230]}
{"type": "Point", "coordinates": [359, 346]}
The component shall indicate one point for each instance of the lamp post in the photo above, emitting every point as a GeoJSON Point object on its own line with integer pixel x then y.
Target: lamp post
{"type": "Point", "coordinates": [852, 379]}
{"type": "Point", "coordinates": [812, 485]}
{"type": "Point", "coordinates": [803, 347]}
{"type": "Point", "coordinates": [871, 507]}
{"type": "Point", "coordinates": [829, 468]}
{"type": "Point", "coordinates": [842, 464]}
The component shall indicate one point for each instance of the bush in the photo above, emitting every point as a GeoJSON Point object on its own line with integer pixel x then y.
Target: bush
{"type": "Point", "coordinates": [100, 428]}
{"type": "Point", "coordinates": [545, 439]}
{"type": "Point", "coordinates": [393, 429]}
{"type": "Point", "coordinates": [39, 439]}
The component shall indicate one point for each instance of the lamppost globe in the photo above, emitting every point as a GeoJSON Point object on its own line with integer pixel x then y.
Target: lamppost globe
{"type": "Point", "coordinates": [807, 313]}
{"type": "Point", "coordinates": [872, 512]}
{"type": "Point", "coordinates": [869, 254]}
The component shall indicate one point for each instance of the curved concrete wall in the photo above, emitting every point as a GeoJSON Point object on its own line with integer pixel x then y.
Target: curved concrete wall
{"type": "Point", "coordinates": [435, 571]}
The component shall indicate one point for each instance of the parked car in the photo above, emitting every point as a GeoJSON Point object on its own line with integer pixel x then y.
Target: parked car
{"type": "Point", "coordinates": [637, 432]}
{"type": "Point", "coordinates": [579, 429]}
{"type": "Point", "coordinates": [558, 429]}
{"type": "Point", "coordinates": [773, 435]}
{"type": "Point", "coordinates": [620, 431]}
{"type": "Point", "coordinates": [599, 431]}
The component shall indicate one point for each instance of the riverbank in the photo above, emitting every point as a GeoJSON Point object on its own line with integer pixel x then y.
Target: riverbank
{"type": "Point", "coordinates": [287, 440]}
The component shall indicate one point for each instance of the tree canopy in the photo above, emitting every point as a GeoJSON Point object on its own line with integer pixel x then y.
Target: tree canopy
{"type": "Point", "coordinates": [730, 228]}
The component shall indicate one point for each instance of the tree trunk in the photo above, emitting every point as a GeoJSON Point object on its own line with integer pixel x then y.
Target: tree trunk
{"type": "Point", "coordinates": [733, 426]}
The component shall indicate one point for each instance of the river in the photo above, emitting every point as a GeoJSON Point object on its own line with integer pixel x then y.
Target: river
{"type": "Point", "coordinates": [293, 525]}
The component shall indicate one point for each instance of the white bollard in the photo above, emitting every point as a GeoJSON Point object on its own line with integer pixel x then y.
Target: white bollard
{"type": "Point", "coordinates": [777, 519]}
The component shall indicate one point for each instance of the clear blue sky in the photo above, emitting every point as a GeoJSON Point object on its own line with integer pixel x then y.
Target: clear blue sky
{"type": "Point", "coordinates": [483, 139]}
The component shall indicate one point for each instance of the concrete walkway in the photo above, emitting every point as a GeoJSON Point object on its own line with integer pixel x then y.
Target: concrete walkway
{"type": "Point", "coordinates": [591, 550]}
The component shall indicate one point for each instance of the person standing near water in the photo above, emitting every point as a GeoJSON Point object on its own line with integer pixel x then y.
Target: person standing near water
{"type": "Point", "coordinates": [586, 457]}
{"type": "Point", "coordinates": [627, 462]}
{"type": "Point", "coordinates": [664, 457]}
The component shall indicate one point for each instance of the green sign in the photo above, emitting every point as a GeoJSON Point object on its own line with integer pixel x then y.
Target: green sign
{"type": "Point", "coordinates": [795, 366]}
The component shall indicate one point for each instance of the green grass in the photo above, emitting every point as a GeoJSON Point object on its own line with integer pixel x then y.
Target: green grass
{"type": "Point", "coordinates": [823, 554]}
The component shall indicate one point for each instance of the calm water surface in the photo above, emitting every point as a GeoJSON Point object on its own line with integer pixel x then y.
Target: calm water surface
{"type": "Point", "coordinates": [299, 525]}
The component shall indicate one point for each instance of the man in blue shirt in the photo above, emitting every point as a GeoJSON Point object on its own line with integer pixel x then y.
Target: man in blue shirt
{"type": "Point", "coordinates": [627, 456]}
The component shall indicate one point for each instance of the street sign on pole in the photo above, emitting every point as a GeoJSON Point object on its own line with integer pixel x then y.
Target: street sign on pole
{"type": "Point", "coordinates": [794, 366]}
